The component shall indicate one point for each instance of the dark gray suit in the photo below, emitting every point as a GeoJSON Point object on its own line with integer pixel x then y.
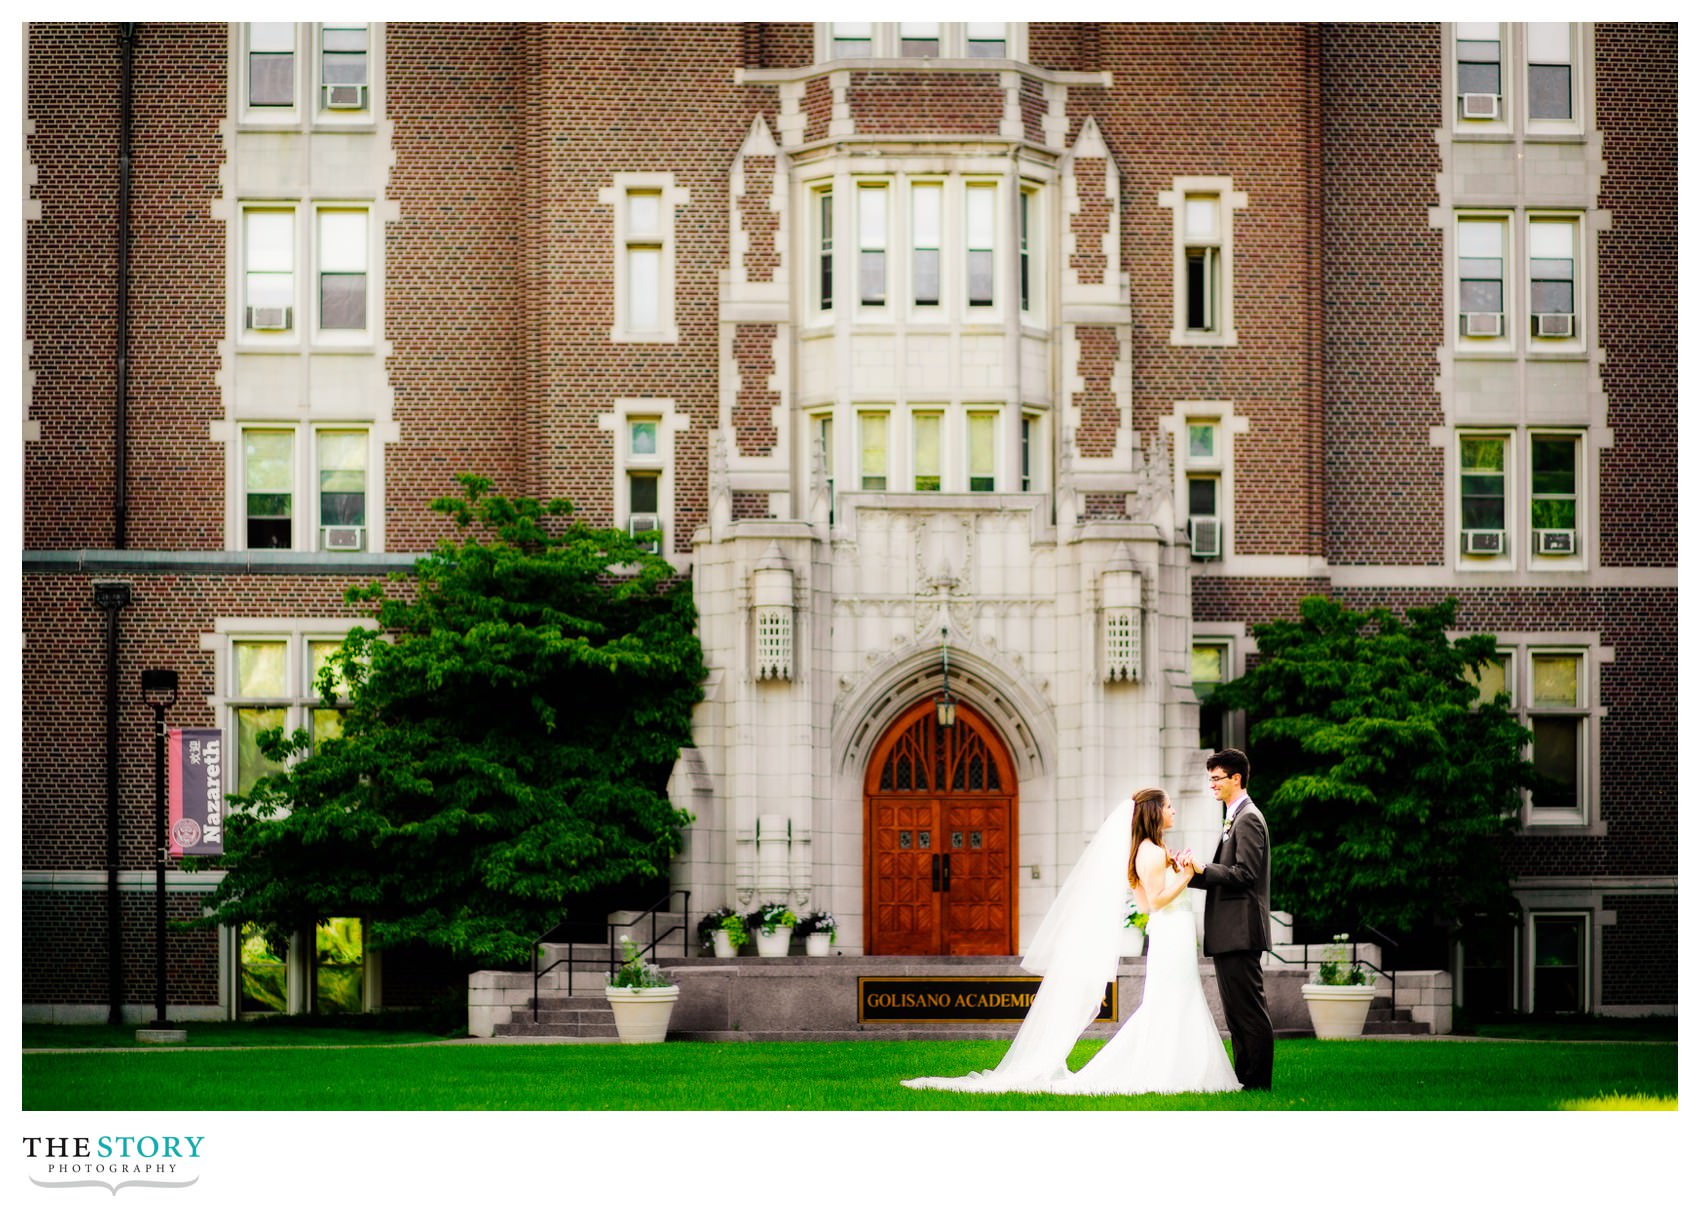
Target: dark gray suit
{"type": "Point", "coordinates": [1236, 934]}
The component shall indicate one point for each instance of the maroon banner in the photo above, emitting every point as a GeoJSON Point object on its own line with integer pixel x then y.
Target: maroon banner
{"type": "Point", "coordinates": [195, 774]}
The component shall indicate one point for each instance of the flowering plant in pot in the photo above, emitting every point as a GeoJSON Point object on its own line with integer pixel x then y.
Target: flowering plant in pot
{"type": "Point", "coordinates": [819, 931]}
{"type": "Point", "coordinates": [771, 925]}
{"type": "Point", "coordinates": [722, 932]}
{"type": "Point", "coordinates": [641, 996]}
{"type": "Point", "coordinates": [1133, 930]}
{"type": "Point", "coordinates": [1340, 998]}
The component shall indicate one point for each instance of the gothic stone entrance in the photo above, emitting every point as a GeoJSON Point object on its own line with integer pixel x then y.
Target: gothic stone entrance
{"type": "Point", "coordinates": [939, 812]}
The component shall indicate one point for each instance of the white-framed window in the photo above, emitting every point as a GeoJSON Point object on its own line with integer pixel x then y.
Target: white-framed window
{"type": "Point", "coordinates": [307, 487]}
{"type": "Point", "coordinates": [1552, 82]}
{"type": "Point", "coordinates": [270, 76]}
{"type": "Point", "coordinates": [344, 66]}
{"type": "Point", "coordinates": [1206, 512]}
{"type": "Point", "coordinates": [926, 237]}
{"type": "Point", "coordinates": [333, 240]}
{"type": "Point", "coordinates": [1032, 451]}
{"type": "Point", "coordinates": [268, 270]}
{"type": "Point", "coordinates": [822, 217]}
{"type": "Point", "coordinates": [874, 449]}
{"type": "Point", "coordinates": [1484, 490]}
{"type": "Point", "coordinates": [927, 450]}
{"type": "Point", "coordinates": [1551, 682]}
{"type": "Point", "coordinates": [1554, 242]}
{"type": "Point", "coordinates": [343, 262]}
{"type": "Point", "coordinates": [1522, 491]}
{"type": "Point", "coordinates": [643, 480]}
{"type": "Point", "coordinates": [645, 207]}
{"type": "Point", "coordinates": [1202, 210]}
{"type": "Point", "coordinates": [1555, 477]}
{"type": "Point", "coordinates": [920, 40]}
{"type": "Point", "coordinates": [1479, 50]}
{"type": "Point", "coordinates": [1518, 75]}
{"type": "Point", "coordinates": [980, 227]}
{"type": "Point", "coordinates": [982, 450]}
{"type": "Point", "coordinates": [1559, 962]}
{"type": "Point", "coordinates": [643, 431]}
{"type": "Point", "coordinates": [1484, 252]}
{"type": "Point", "coordinates": [872, 206]}
{"type": "Point", "coordinates": [821, 430]}
{"type": "Point", "coordinates": [273, 677]}
{"type": "Point", "coordinates": [1029, 240]}
{"type": "Point", "coordinates": [1212, 665]}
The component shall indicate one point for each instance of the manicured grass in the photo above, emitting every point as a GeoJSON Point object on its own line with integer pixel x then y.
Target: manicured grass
{"type": "Point", "coordinates": [278, 1032]}
{"type": "Point", "coordinates": [864, 1075]}
{"type": "Point", "coordinates": [1574, 1027]}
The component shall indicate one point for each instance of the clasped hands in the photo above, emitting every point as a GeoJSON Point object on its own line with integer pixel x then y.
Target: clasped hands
{"type": "Point", "coordinates": [1186, 859]}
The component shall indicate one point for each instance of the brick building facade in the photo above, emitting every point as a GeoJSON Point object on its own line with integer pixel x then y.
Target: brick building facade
{"type": "Point", "coordinates": [1079, 348]}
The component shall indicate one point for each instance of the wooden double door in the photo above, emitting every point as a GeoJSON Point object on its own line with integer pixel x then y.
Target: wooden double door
{"type": "Point", "coordinates": [939, 806]}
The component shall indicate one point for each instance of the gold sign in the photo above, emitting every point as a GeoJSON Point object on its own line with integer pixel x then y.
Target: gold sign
{"type": "Point", "coordinates": [955, 999]}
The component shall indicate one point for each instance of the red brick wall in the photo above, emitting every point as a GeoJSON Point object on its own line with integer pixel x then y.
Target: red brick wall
{"type": "Point", "coordinates": [1063, 45]}
{"type": "Point", "coordinates": [1096, 400]}
{"type": "Point", "coordinates": [895, 102]}
{"type": "Point", "coordinates": [1635, 99]}
{"type": "Point", "coordinates": [1382, 282]}
{"type": "Point", "coordinates": [752, 415]}
{"type": "Point", "coordinates": [1638, 954]}
{"type": "Point", "coordinates": [454, 301]}
{"type": "Point", "coordinates": [64, 948]}
{"type": "Point", "coordinates": [787, 43]}
{"type": "Point", "coordinates": [1090, 223]}
{"type": "Point", "coordinates": [759, 220]}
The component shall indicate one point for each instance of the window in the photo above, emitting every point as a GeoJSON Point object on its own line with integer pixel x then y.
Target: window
{"type": "Point", "coordinates": [271, 64]}
{"type": "Point", "coordinates": [981, 226]}
{"type": "Point", "coordinates": [342, 270]}
{"type": "Point", "coordinates": [1024, 257]}
{"type": "Point", "coordinates": [1553, 460]}
{"type": "Point", "coordinates": [1481, 491]}
{"type": "Point", "coordinates": [342, 489]}
{"type": "Point", "coordinates": [852, 39]}
{"type": "Point", "coordinates": [1209, 670]}
{"type": "Point", "coordinates": [1481, 277]}
{"type": "Point", "coordinates": [1203, 263]}
{"type": "Point", "coordinates": [926, 222]}
{"type": "Point", "coordinates": [1550, 94]}
{"type": "Point", "coordinates": [343, 66]}
{"type": "Point", "coordinates": [873, 458]}
{"type": "Point", "coordinates": [268, 463]}
{"type": "Point", "coordinates": [928, 455]}
{"type": "Point", "coordinates": [1204, 505]}
{"type": "Point", "coordinates": [918, 39]}
{"type": "Point", "coordinates": [823, 248]}
{"type": "Point", "coordinates": [987, 39]}
{"type": "Point", "coordinates": [1556, 717]}
{"type": "Point", "coordinates": [643, 481]}
{"type": "Point", "coordinates": [1479, 90]}
{"type": "Point", "coordinates": [645, 207]}
{"type": "Point", "coordinates": [1560, 974]}
{"type": "Point", "coordinates": [1552, 277]}
{"type": "Point", "coordinates": [268, 260]}
{"type": "Point", "coordinates": [870, 237]}
{"type": "Point", "coordinates": [1030, 452]}
{"type": "Point", "coordinates": [258, 704]}
{"type": "Point", "coordinates": [982, 451]}
{"type": "Point", "coordinates": [823, 435]}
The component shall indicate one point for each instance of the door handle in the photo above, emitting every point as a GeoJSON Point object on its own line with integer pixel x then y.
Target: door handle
{"type": "Point", "coordinates": [947, 873]}
{"type": "Point", "coordinates": [935, 873]}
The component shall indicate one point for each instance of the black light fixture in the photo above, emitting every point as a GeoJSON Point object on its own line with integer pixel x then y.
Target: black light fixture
{"type": "Point", "coordinates": [944, 704]}
{"type": "Point", "coordinates": [159, 691]}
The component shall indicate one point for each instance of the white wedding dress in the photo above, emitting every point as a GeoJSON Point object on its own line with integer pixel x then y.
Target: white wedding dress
{"type": "Point", "coordinates": [1168, 1045]}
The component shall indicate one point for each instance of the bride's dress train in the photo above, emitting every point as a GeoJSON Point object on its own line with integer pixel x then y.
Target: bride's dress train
{"type": "Point", "coordinates": [1169, 1044]}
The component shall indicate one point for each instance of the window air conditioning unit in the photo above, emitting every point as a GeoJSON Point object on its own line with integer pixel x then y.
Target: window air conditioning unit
{"type": "Point", "coordinates": [1484, 542]}
{"type": "Point", "coordinates": [343, 538]}
{"type": "Point", "coordinates": [1483, 323]}
{"type": "Point", "coordinates": [1554, 324]}
{"type": "Point", "coordinates": [641, 522]}
{"type": "Point", "coordinates": [1555, 542]}
{"type": "Point", "coordinates": [262, 319]}
{"type": "Point", "coordinates": [1205, 535]}
{"type": "Point", "coordinates": [345, 96]}
{"type": "Point", "coordinates": [1481, 105]}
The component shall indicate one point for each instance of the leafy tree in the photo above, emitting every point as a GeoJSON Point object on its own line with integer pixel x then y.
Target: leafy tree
{"type": "Point", "coordinates": [1390, 788]}
{"type": "Point", "coordinates": [508, 749]}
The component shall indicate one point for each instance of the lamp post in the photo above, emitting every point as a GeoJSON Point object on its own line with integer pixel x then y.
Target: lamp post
{"type": "Point", "coordinates": [944, 704]}
{"type": "Point", "coordinates": [159, 691]}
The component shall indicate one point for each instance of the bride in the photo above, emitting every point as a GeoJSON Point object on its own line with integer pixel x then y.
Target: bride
{"type": "Point", "coordinates": [1170, 1043]}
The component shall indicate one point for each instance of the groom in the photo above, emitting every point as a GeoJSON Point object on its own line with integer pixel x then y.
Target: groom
{"type": "Point", "coordinates": [1236, 918]}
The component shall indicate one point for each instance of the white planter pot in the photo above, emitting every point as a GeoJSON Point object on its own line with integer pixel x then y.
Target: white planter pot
{"type": "Point", "coordinates": [724, 948]}
{"type": "Point", "coordinates": [818, 944]}
{"type": "Point", "coordinates": [1133, 941]}
{"type": "Point", "coordinates": [641, 1015]}
{"type": "Point", "coordinates": [775, 945]}
{"type": "Point", "coordinates": [1338, 1011]}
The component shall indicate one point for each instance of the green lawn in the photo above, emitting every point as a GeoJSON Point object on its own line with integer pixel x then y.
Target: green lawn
{"type": "Point", "coordinates": [280, 1032]}
{"type": "Point", "coordinates": [1309, 1075]}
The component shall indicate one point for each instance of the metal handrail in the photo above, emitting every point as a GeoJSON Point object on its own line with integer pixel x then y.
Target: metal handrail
{"type": "Point", "coordinates": [1392, 975]}
{"type": "Point", "coordinates": [537, 974]}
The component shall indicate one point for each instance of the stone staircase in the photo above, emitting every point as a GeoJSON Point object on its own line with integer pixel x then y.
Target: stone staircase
{"type": "Point", "coordinates": [581, 1016]}
{"type": "Point", "coordinates": [1384, 1019]}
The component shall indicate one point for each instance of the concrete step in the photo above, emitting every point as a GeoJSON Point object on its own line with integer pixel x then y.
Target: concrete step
{"type": "Point", "coordinates": [524, 1027]}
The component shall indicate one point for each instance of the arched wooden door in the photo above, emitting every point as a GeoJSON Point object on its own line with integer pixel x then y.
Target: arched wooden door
{"type": "Point", "coordinates": [939, 812]}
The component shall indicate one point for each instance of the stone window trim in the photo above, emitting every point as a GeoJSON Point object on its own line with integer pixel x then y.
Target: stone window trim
{"type": "Point", "coordinates": [1228, 201]}
{"type": "Point", "coordinates": [884, 45]}
{"type": "Point", "coordinates": [1518, 650]}
{"type": "Point", "coordinates": [298, 698]}
{"type": "Point", "coordinates": [1517, 54]}
{"type": "Point", "coordinates": [670, 197]}
{"type": "Point", "coordinates": [309, 263]}
{"type": "Point", "coordinates": [1228, 425]}
{"type": "Point", "coordinates": [309, 108]}
{"type": "Point", "coordinates": [1518, 546]}
{"type": "Point", "coordinates": [304, 482]}
{"type": "Point", "coordinates": [669, 422]}
{"type": "Point", "coordinates": [1237, 642]}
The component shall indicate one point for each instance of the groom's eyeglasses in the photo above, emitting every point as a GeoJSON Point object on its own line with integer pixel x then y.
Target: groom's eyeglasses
{"type": "Point", "coordinates": [1220, 778]}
